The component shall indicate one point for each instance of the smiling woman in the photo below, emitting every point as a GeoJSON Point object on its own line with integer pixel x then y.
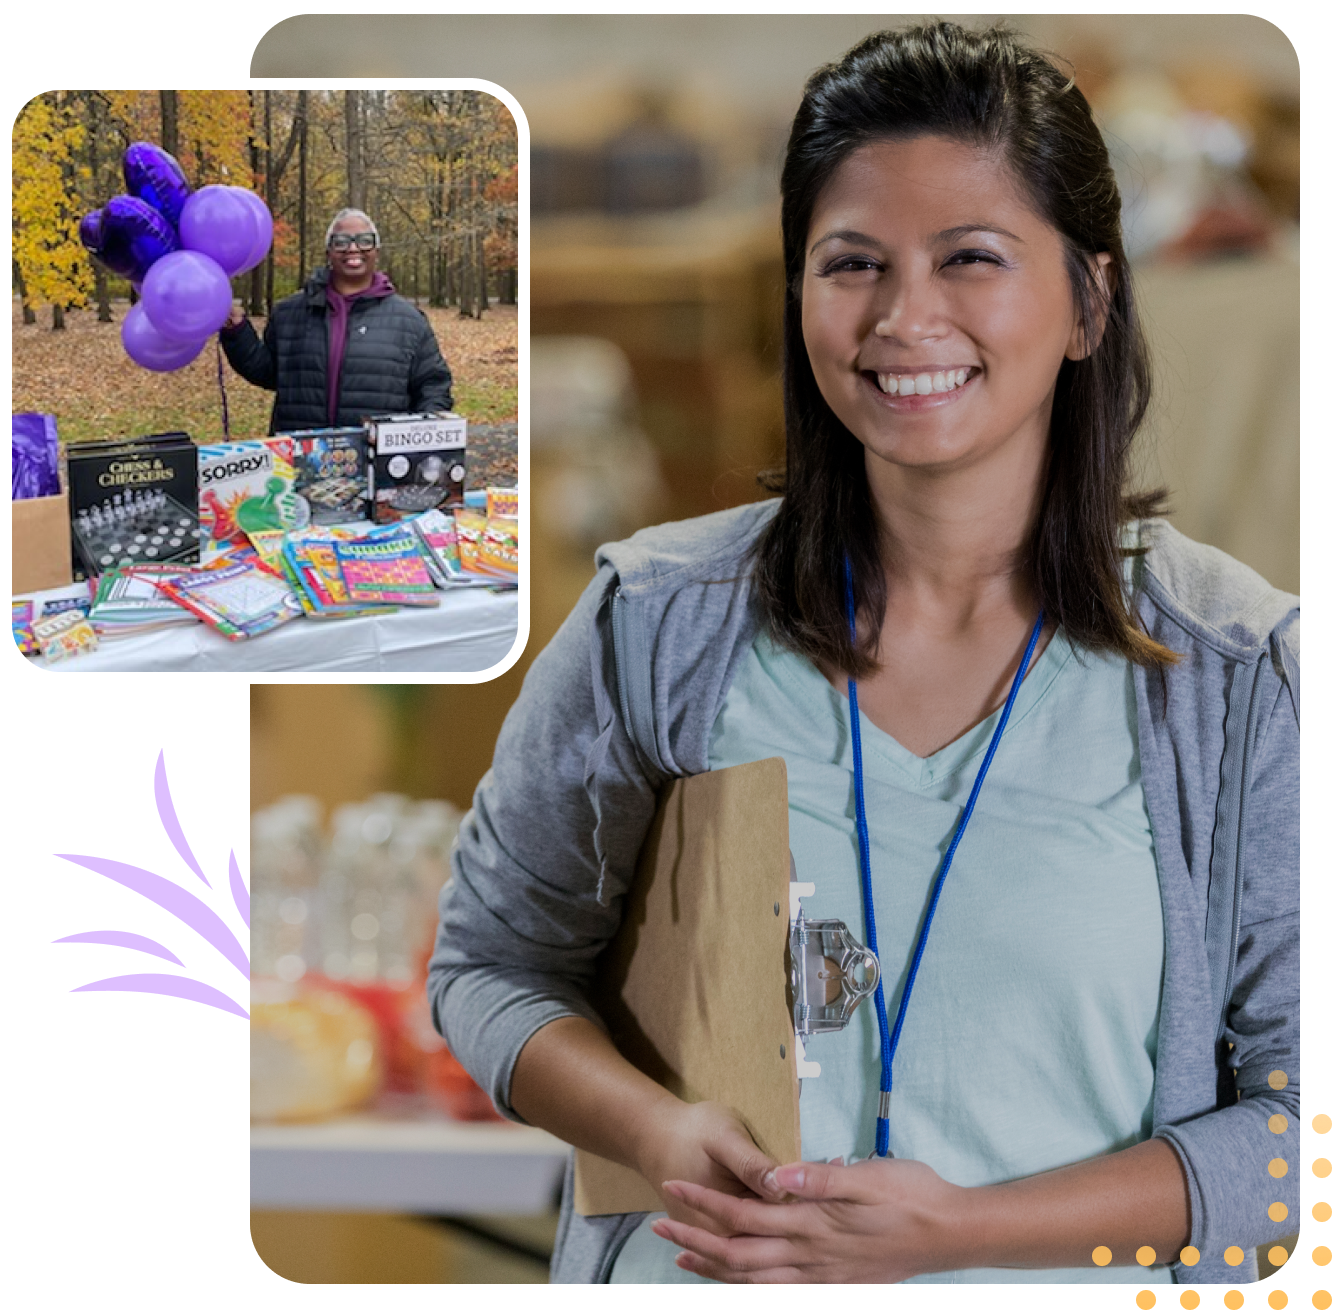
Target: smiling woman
{"type": "Point", "coordinates": [344, 347]}
{"type": "Point", "coordinates": [1086, 1032]}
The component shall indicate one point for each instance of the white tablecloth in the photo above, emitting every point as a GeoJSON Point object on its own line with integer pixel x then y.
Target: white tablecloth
{"type": "Point", "coordinates": [469, 632]}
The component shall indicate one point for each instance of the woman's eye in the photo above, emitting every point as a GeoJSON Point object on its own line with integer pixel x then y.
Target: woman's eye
{"type": "Point", "coordinates": [972, 257]}
{"type": "Point", "coordinates": [850, 264]}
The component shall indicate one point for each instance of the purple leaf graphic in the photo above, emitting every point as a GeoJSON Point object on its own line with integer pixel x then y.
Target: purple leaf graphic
{"type": "Point", "coordinates": [201, 916]}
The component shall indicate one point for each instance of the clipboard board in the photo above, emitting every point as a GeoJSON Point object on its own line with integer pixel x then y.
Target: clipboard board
{"type": "Point", "coordinates": [693, 987]}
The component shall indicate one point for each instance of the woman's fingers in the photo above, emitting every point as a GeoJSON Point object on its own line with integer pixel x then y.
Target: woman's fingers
{"type": "Point", "coordinates": [729, 1259]}
{"type": "Point", "coordinates": [830, 1182]}
{"type": "Point", "coordinates": [696, 1264]}
{"type": "Point", "coordinates": [736, 1214]}
{"type": "Point", "coordinates": [734, 1149]}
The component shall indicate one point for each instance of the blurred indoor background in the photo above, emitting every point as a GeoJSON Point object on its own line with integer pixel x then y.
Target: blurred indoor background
{"type": "Point", "coordinates": [655, 306]}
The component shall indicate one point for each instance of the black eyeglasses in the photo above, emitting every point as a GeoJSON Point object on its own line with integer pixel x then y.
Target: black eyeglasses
{"type": "Point", "coordinates": [361, 240]}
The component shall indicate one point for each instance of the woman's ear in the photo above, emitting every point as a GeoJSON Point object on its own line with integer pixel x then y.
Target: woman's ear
{"type": "Point", "coordinates": [1101, 276]}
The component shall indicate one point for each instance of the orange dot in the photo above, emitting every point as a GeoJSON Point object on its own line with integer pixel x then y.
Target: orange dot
{"type": "Point", "coordinates": [1276, 1212]}
{"type": "Point", "coordinates": [1190, 1255]}
{"type": "Point", "coordinates": [1278, 1300]}
{"type": "Point", "coordinates": [1321, 1255]}
{"type": "Point", "coordinates": [1322, 1300]}
{"type": "Point", "coordinates": [1278, 1123]}
{"type": "Point", "coordinates": [1277, 1079]}
{"type": "Point", "coordinates": [1189, 1300]}
{"type": "Point", "coordinates": [1146, 1300]}
{"type": "Point", "coordinates": [1278, 1255]}
{"type": "Point", "coordinates": [1322, 1212]}
{"type": "Point", "coordinates": [1277, 1168]}
{"type": "Point", "coordinates": [1234, 1255]}
{"type": "Point", "coordinates": [1233, 1299]}
{"type": "Point", "coordinates": [1101, 1256]}
{"type": "Point", "coordinates": [1145, 1255]}
{"type": "Point", "coordinates": [1322, 1167]}
{"type": "Point", "coordinates": [1321, 1123]}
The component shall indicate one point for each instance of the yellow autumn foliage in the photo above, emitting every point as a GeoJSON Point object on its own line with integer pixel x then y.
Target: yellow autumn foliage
{"type": "Point", "coordinates": [47, 175]}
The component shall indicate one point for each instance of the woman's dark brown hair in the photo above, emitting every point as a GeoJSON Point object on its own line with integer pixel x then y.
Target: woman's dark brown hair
{"type": "Point", "coordinates": [988, 90]}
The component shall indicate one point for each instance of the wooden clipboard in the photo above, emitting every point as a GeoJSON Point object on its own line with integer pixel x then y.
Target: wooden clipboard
{"type": "Point", "coordinates": [693, 986]}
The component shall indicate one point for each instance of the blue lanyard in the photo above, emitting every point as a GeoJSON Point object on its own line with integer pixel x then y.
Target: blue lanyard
{"type": "Point", "coordinates": [887, 1043]}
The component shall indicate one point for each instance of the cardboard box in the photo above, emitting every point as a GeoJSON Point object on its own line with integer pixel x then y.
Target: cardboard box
{"type": "Point", "coordinates": [41, 544]}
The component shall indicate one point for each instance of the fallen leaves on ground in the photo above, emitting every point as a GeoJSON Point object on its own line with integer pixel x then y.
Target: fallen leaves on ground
{"type": "Point", "coordinates": [83, 376]}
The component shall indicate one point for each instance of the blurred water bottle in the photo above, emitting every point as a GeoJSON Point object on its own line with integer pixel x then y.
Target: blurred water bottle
{"type": "Point", "coordinates": [286, 849]}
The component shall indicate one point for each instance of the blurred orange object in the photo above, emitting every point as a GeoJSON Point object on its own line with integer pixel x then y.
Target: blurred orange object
{"type": "Point", "coordinates": [451, 1085]}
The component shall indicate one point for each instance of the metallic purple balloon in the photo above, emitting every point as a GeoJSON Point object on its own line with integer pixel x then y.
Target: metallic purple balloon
{"type": "Point", "coordinates": [148, 348]}
{"type": "Point", "coordinates": [128, 235]}
{"type": "Point", "coordinates": [218, 223]}
{"type": "Point", "coordinates": [264, 222]}
{"type": "Point", "coordinates": [154, 176]}
{"type": "Point", "coordinates": [186, 295]}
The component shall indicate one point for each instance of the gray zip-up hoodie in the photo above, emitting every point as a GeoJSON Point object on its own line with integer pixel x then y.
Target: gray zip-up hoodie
{"type": "Point", "coordinates": [624, 699]}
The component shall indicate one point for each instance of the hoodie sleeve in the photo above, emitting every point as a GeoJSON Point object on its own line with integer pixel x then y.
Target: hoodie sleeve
{"type": "Point", "coordinates": [1242, 1160]}
{"type": "Point", "coordinates": [521, 921]}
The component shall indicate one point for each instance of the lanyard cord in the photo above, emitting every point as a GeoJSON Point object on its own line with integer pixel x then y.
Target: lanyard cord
{"type": "Point", "coordinates": [887, 1043]}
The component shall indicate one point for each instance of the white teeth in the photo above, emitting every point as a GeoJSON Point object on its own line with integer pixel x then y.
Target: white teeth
{"type": "Point", "coordinates": [922, 384]}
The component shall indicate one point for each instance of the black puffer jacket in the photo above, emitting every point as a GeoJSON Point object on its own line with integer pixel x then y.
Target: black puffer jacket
{"type": "Point", "coordinates": [392, 364]}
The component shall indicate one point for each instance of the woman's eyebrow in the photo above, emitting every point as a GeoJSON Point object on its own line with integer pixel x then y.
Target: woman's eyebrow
{"type": "Point", "coordinates": [939, 238]}
{"type": "Point", "coordinates": [846, 234]}
{"type": "Point", "coordinates": [966, 229]}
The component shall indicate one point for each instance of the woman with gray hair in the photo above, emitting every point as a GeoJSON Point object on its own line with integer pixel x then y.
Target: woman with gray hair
{"type": "Point", "coordinates": [346, 345]}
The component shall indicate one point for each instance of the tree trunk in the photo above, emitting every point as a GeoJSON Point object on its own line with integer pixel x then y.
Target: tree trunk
{"type": "Point", "coordinates": [102, 290]}
{"type": "Point", "coordinates": [259, 164]}
{"type": "Point", "coordinates": [270, 195]}
{"type": "Point", "coordinates": [302, 156]}
{"type": "Point", "coordinates": [29, 314]}
{"type": "Point", "coordinates": [170, 122]}
{"type": "Point", "coordinates": [57, 318]}
{"type": "Point", "coordinates": [355, 134]}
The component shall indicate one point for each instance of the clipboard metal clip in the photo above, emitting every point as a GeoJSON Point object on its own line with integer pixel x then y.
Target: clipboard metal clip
{"type": "Point", "coordinates": [825, 990]}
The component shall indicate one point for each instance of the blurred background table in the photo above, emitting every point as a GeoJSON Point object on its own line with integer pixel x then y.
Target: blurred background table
{"type": "Point", "coordinates": [423, 1166]}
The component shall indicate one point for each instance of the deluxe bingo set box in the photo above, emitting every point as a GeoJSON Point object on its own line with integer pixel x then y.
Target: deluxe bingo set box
{"type": "Point", "coordinates": [244, 535]}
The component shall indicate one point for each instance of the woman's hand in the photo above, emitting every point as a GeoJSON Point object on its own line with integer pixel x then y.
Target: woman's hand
{"type": "Point", "coordinates": [236, 316]}
{"type": "Point", "coordinates": [878, 1221]}
{"type": "Point", "coordinates": [707, 1146]}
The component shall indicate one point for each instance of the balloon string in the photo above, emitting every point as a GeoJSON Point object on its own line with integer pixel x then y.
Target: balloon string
{"type": "Point", "coordinates": [222, 387]}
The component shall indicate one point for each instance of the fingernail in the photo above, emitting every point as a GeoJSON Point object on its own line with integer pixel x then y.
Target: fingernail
{"type": "Point", "coordinates": [671, 1186]}
{"type": "Point", "coordinates": [794, 1180]}
{"type": "Point", "coordinates": [659, 1227]}
{"type": "Point", "coordinates": [770, 1183]}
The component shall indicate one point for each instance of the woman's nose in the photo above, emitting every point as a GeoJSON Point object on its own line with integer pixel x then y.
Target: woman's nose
{"type": "Point", "coordinates": [909, 309]}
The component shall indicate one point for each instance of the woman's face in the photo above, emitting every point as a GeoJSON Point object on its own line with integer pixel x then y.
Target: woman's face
{"type": "Point", "coordinates": [936, 306]}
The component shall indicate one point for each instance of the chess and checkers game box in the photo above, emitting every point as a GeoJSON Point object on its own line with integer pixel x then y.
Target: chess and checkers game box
{"type": "Point", "coordinates": [134, 501]}
{"type": "Point", "coordinates": [419, 463]}
{"type": "Point", "coordinates": [332, 472]}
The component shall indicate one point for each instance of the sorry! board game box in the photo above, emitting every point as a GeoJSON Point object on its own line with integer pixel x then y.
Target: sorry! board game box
{"type": "Point", "coordinates": [246, 486]}
{"type": "Point", "coordinates": [420, 462]}
{"type": "Point", "coordinates": [133, 501]}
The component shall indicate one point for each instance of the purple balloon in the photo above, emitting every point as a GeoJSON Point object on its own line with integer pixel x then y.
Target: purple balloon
{"type": "Point", "coordinates": [218, 223]}
{"type": "Point", "coordinates": [148, 348]}
{"type": "Point", "coordinates": [186, 295]}
{"type": "Point", "coordinates": [154, 176]}
{"type": "Point", "coordinates": [264, 223]}
{"type": "Point", "coordinates": [128, 235]}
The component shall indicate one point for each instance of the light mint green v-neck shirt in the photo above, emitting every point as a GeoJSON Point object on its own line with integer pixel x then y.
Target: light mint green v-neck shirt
{"type": "Point", "coordinates": [1030, 1039]}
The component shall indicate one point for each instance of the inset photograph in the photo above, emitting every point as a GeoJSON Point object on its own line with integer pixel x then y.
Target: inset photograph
{"type": "Point", "coordinates": [265, 381]}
